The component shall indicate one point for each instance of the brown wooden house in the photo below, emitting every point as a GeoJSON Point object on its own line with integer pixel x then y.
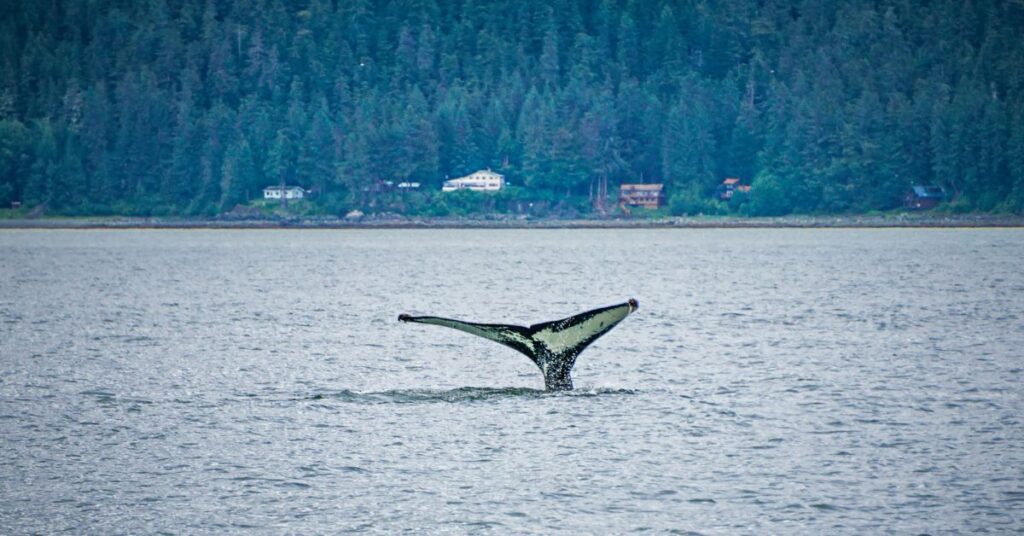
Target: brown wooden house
{"type": "Point", "coordinates": [642, 195]}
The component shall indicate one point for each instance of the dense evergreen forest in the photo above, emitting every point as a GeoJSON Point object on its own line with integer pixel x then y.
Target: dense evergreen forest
{"type": "Point", "coordinates": [193, 106]}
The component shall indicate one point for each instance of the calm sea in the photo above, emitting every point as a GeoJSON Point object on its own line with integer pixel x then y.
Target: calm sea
{"type": "Point", "coordinates": [772, 381]}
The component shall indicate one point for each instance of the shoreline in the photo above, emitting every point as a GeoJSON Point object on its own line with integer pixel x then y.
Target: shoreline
{"type": "Point", "coordinates": [784, 222]}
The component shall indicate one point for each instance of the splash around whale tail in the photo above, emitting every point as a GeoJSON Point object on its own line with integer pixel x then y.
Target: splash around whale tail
{"type": "Point", "coordinates": [552, 346]}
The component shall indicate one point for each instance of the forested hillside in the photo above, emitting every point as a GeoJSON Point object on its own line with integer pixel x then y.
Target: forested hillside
{"type": "Point", "coordinates": [192, 106]}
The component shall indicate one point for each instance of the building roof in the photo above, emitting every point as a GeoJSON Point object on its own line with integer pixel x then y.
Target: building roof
{"type": "Point", "coordinates": [730, 181]}
{"type": "Point", "coordinates": [286, 188]}
{"type": "Point", "coordinates": [641, 187]}
{"type": "Point", "coordinates": [928, 191]}
{"type": "Point", "coordinates": [482, 174]}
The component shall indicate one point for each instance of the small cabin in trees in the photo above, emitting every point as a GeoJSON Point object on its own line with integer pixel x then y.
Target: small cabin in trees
{"type": "Point", "coordinates": [924, 197]}
{"type": "Point", "coordinates": [642, 195]}
{"type": "Point", "coordinates": [288, 192]}
{"type": "Point", "coordinates": [729, 186]}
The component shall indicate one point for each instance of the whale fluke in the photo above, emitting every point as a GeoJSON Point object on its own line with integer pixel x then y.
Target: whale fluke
{"type": "Point", "coordinates": [552, 346]}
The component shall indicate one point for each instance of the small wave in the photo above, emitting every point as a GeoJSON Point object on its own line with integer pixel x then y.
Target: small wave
{"type": "Point", "coordinates": [597, 391]}
{"type": "Point", "coordinates": [461, 394]}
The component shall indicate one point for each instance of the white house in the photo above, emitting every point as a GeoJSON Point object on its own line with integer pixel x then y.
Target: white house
{"type": "Point", "coordinates": [484, 180]}
{"type": "Point", "coordinates": [290, 192]}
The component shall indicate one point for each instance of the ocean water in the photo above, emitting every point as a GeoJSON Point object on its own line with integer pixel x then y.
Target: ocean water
{"type": "Point", "coordinates": [772, 381]}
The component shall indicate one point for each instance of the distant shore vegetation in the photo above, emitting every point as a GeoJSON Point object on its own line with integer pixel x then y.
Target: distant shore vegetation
{"type": "Point", "coordinates": [192, 107]}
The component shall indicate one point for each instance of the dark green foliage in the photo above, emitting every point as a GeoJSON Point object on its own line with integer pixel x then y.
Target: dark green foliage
{"type": "Point", "coordinates": [193, 106]}
{"type": "Point", "coordinates": [769, 197]}
{"type": "Point", "coordinates": [15, 147]}
{"type": "Point", "coordinates": [692, 201]}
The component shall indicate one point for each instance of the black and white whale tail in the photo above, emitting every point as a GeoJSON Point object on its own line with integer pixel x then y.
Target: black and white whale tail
{"type": "Point", "coordinates": [552, 346]}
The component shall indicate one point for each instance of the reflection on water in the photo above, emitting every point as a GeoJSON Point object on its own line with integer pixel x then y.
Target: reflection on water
{"type": "Point", "coordinates": [461, 394]}
{"type": "Point", "coordinates": [774, 381]}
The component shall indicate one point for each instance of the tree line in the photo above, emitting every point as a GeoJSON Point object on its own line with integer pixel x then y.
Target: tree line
{"type": "Point", "coordinates": [193, 106]}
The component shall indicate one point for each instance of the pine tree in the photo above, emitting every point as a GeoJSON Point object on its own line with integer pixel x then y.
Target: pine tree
{"type": "Point", "coordinates": [45, 165]}
{"type": "Point", "coordinates": [687, 148]}
{"type": "Point", "coordinates": [15, 144]}
{"type": "Point", "coordinates": [280, 162]}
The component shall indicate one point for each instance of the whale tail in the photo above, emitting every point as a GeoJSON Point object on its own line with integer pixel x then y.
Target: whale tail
{"type": "Point", "coordinates": [552, 346]}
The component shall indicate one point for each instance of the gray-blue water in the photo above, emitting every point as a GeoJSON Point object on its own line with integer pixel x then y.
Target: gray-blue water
{"type": "Point", "coordinates": [773, 381]}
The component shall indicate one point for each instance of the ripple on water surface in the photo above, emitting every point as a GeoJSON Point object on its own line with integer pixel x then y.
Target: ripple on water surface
{"type": "Point", "coordinates": [774, 381]}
